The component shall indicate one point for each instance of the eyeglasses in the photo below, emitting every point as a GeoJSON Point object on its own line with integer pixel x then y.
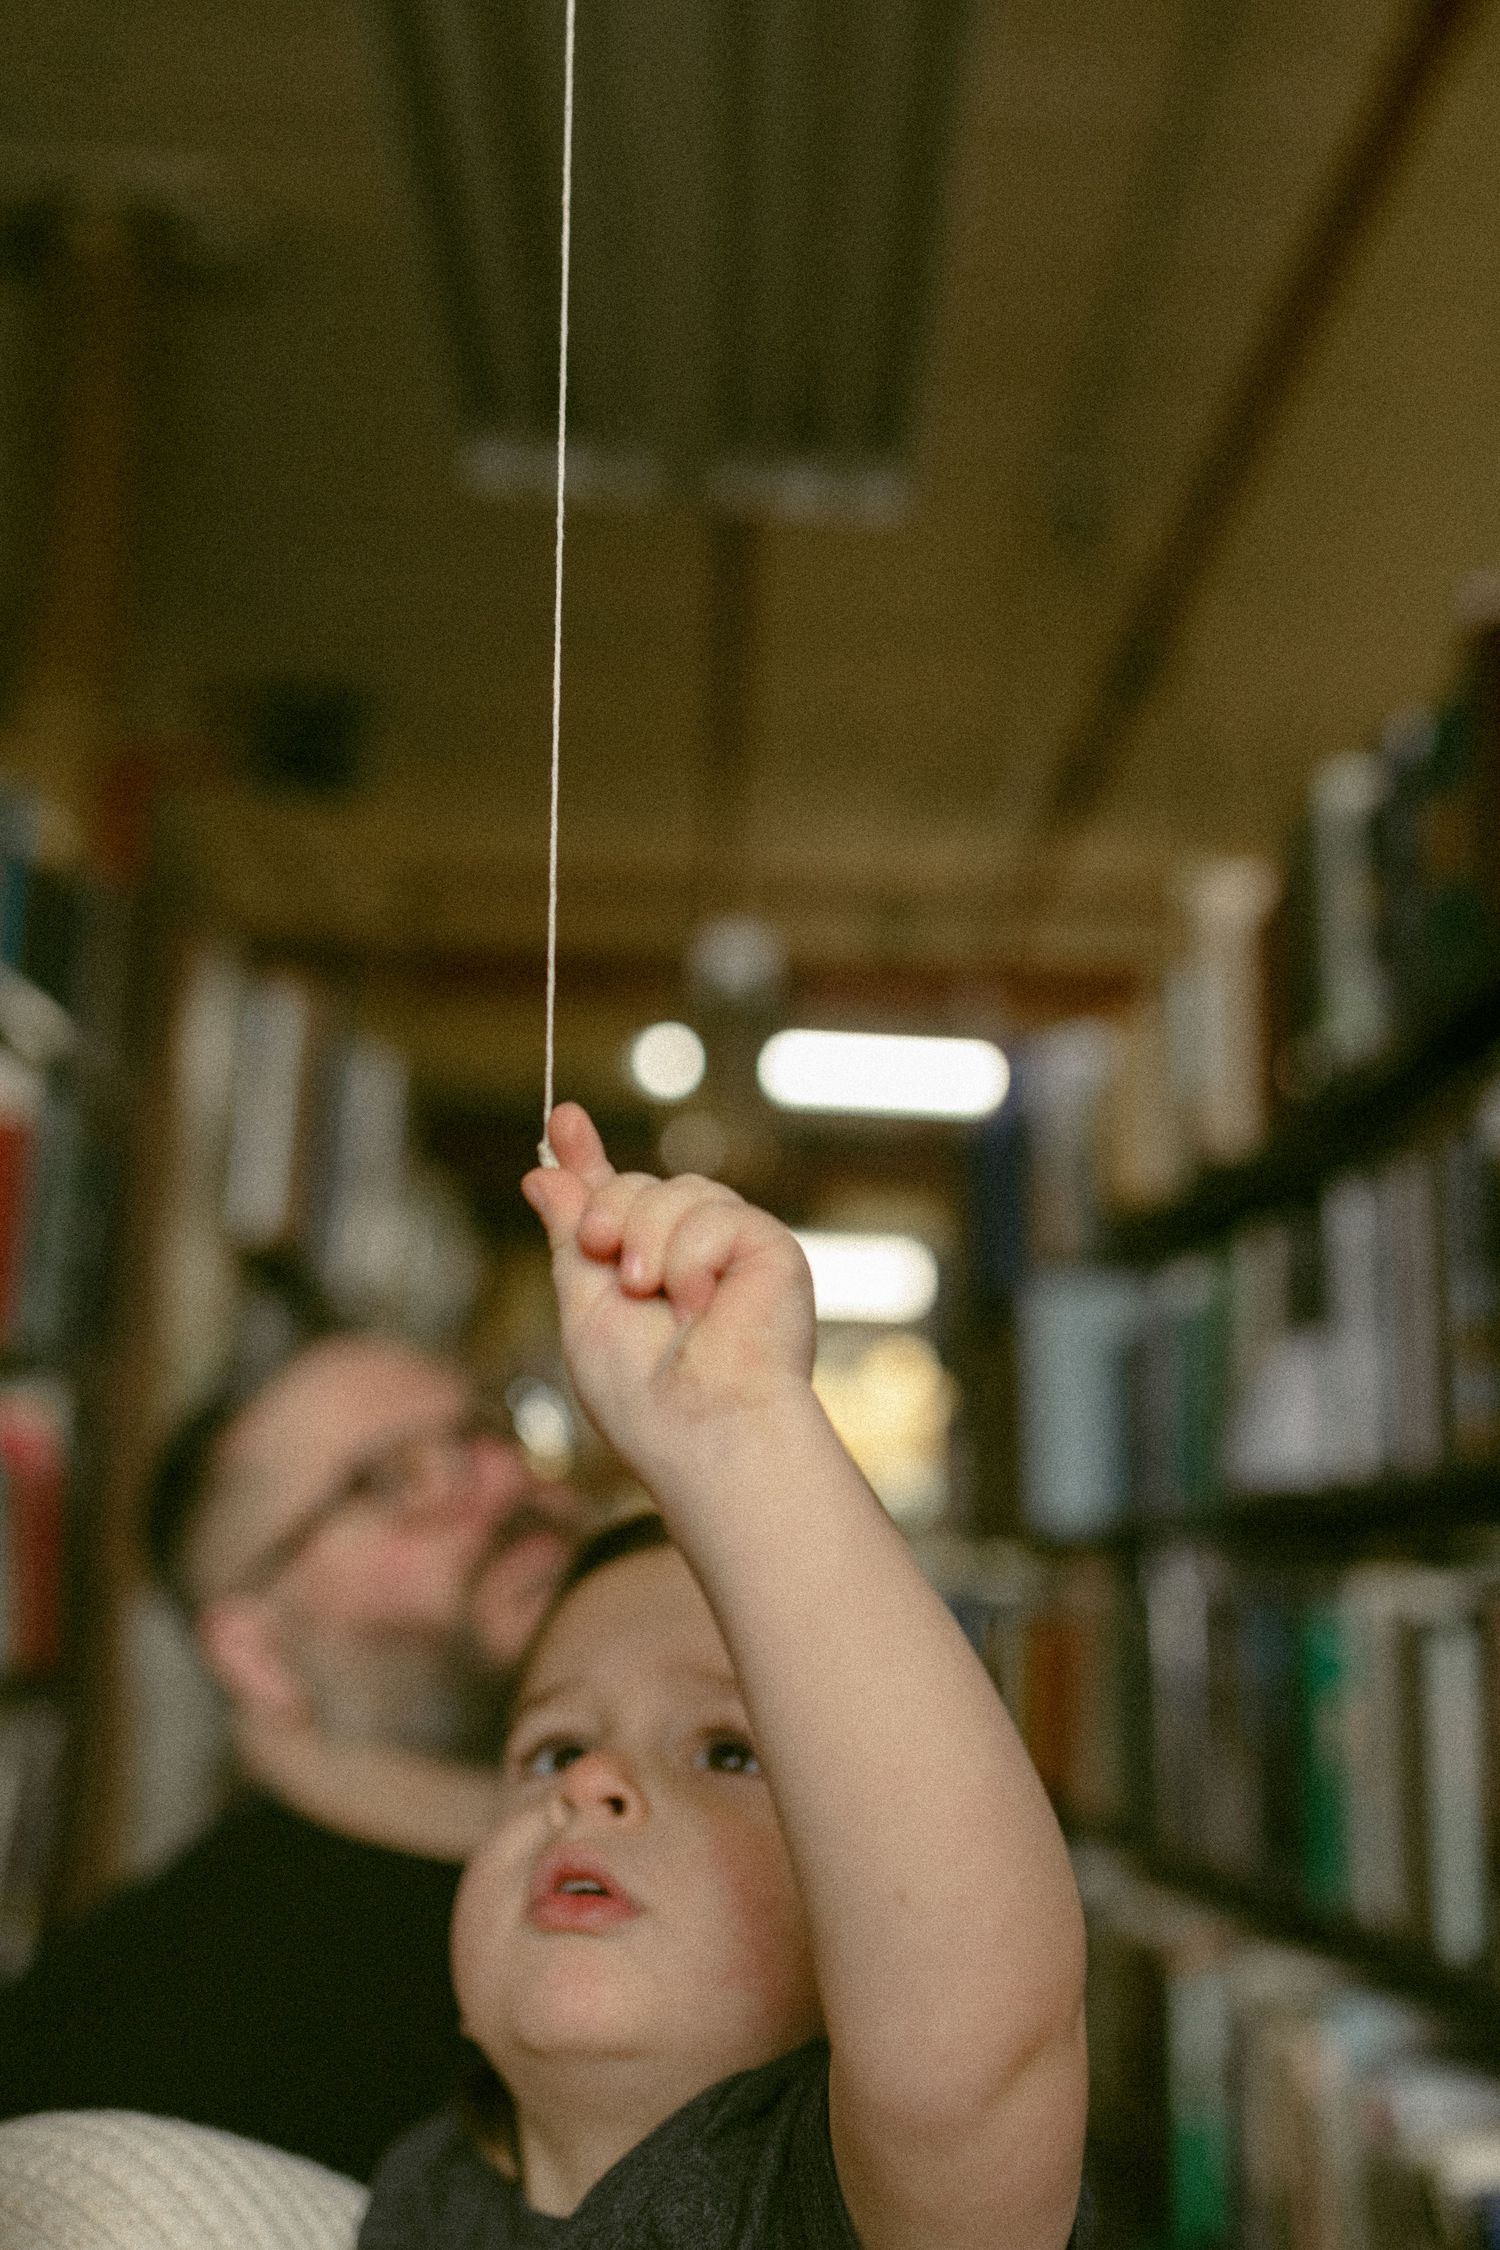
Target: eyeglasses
{"type": "Point", "coordinates": [414, 1475]}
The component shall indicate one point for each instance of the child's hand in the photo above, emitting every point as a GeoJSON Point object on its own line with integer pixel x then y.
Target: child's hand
{"type": "Point", "coordinates": [680, 1302]}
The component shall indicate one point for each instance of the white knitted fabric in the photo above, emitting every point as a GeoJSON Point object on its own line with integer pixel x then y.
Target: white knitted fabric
{"type": "Point", "coordinates": [107, 2179]}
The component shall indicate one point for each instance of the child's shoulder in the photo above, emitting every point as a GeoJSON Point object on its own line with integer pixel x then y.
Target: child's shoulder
{"type": "Point", "coordinates": [745, 2164]}
{"type": "Point", "coordinates": [731, 2167]}
{"type": "Point", "coordinates": [433, 2187]}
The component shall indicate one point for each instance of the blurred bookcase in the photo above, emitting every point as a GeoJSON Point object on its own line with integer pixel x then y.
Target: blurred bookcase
{"type": "Point", "coordinates": [68, 952]}
{"type": "Point", "coordinates": [203, 1159]}
{"type": "Point", "coordinates": [1249, 1617]}
{"type": "Point", "coordinates": [280, 1188]}
{"type": "Point", "coordinates": [201, 1154]}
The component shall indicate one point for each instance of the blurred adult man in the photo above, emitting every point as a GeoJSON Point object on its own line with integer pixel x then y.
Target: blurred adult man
{"type": "Point", "coordinates": [363, 1549]}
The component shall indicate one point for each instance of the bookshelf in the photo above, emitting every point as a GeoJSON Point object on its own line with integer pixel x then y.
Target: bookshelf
{"type": "Point", "coordinates": [1410, 1515]}
{"type": "Point", "coordinates": [68, 959]}
{"type": "Point", "coordinates": [1465, 2000]}
{"type": "Point", "coordinates": [1358, 1118]}
{"type": "Point", "coordinates": [281, 1187]}
{"type": "Point", "coordinates": [1258, 1356]}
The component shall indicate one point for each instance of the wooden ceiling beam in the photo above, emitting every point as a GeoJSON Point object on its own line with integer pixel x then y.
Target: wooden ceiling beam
{"type": "Point", "coordinates": [1029, 990]}
{"type": "Point", "coordinates": [374, 882]}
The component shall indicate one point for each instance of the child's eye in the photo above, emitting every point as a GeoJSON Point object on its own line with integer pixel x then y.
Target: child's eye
{"type": "Point", "coordinates": [730, 1753]}
{"type": "Point", "coordinates": [552, 1757]}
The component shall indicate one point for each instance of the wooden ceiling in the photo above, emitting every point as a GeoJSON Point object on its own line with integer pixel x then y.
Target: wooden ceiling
{"type": "Point", "coordinates": [862, 726]}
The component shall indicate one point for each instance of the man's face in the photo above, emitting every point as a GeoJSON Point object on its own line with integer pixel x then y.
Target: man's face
{"type": "Point", "coordinates": [430, 1548]}
{"type": "Point", "coordinates": [635, 1899]}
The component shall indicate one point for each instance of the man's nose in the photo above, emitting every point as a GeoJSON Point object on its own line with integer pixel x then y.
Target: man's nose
{"type": "Point", "coordinates": [603, 1782]}
{"type": "Point", "coordinates": [495, 1475]}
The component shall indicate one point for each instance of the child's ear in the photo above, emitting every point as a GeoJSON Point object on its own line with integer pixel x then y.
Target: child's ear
{"type": "Point", "coordinates": [240, 1641]}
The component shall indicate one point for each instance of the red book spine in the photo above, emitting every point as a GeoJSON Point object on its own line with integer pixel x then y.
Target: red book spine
{"type": "Point", "coordinates": [31, 1447]}
{"type": "Point", "coordinates": [17, 1135]}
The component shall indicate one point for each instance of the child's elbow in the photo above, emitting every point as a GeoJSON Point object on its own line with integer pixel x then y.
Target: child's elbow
{"type": "Point", "coordinates": [1044, 2015]}
{"type": "Point", "coordinates": [971, 2163]}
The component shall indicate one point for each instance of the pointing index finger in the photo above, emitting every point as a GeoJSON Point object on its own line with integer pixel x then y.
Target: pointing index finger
{"type": "Point", "coordinates": [578, 1147]}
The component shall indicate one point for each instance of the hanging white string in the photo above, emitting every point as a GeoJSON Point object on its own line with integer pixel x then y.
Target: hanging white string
{"type": "Point", "coordinates": [545, 1149]}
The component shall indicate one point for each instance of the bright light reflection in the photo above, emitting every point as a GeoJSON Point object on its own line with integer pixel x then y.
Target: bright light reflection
{"type": "Point", "coordinates": [667, 1061]}
{"type": "Point", "coordinates": [886, 1277]}
{"type": "Point", "coordinates": [541, 1419]}
{"type": "Point", "coordinates": [882, 1074]}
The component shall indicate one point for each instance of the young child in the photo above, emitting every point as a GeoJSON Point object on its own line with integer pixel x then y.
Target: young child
{"type": "Point", "coordinates": [776, 1941]}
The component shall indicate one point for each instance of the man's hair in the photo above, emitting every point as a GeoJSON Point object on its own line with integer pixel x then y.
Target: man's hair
{"type": "Point", "coordinates": [180, 1484]}
{"type": "Point", "coordinates": [182, 1479]}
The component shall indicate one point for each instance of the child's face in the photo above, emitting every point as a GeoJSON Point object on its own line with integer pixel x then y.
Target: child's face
{"type": "Point", "coordinates": [635, 1899]}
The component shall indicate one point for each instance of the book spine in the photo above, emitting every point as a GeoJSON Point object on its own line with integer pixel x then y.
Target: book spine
{"type": "Point", "coordinates": [1325, 1861]}
{"type": "Point", "coordinates": [21, 1092]}
{"type": "Point", "coordinates": [1470, 1265]}
{"type": "Point", "coordinates": [1198, 2033]}
{"type": "Point", "coordinates": [1072, 1327]}
{"type": "Point", "coordinates": [55, 1227]}
{"type": "Point", "coordinates": [31, 1750]}
{"type": "Point", "coordinates": [1414, 1316]}
{"type": "Point", "coordinates": [20, 821]}
{"type": "Point", "coordinates": [272, 1060]}
{"type": "Point", "coordinates": [34, 1450]}
{"type": "Point", "coordinates": [1353, 1011]}
{"type": "Point", "coordinates": [1379, 1883]}
{"type": "Point", "coordinates": [7, 1579]}
{"type": "Point", "coordinates": [1451, 1664]}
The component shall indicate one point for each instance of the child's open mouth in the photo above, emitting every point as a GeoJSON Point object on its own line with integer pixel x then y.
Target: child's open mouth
{"type": "Point", "coordinates": [572, 1893]}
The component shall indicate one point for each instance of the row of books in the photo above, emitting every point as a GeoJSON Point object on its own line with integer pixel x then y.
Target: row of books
{"type": "Point", "coordinates": [1323, 1742]}
{"type": "Point", "coordinates": [1262, 2096]}
{"type": "Point", "coordinates": [1062, 1641]}
{"type": "Point", "coordinates": [54, 1196]}
{"type": "Point", "coordinates": [1337, 1344]}
{"type": "Point", "coordinates": [1332, 1742]}
{"type": "Point", "coordinates": [1383, 920]}
{"type": "Point", "coordinates": [287, 1192]}
{"type": "Point", "coordinates": [67, 956]}
{"type": "Point", "coordinates": [318, 1163]}
{"type": "Point", "coordinates": [62, 958]}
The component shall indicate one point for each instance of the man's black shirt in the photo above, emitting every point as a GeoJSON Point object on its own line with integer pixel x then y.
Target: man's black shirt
{"type": "Point", "coordinates": [277, 1980]}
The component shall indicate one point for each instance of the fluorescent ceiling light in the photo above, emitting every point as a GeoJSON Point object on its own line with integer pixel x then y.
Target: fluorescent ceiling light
{"type": "Point", "coordinates": [667, 1061]}
{"type": "Point", "coordinates": [880, 1074]}
{"type": "Point", "coordinates": [888, 1277]}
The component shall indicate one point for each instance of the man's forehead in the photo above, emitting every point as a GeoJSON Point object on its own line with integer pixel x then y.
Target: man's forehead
{"type": "Point", "coordinates": [338, 1402]}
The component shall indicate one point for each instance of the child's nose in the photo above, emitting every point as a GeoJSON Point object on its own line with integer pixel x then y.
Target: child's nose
{"type": "Point", "coordinates": [602, 1781]}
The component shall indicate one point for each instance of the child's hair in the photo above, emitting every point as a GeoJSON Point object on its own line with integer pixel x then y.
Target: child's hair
{"type": "Point", "coordinates": [483, 2096]}
{"type": "Point", "coordinates": [632, 1535]}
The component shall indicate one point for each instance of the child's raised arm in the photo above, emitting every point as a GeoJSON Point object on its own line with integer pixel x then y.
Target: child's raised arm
{"type": "Point", "coordinates": [946, 1929]}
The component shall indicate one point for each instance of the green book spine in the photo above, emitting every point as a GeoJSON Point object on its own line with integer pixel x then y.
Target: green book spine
{"type": "Point", "coordinates": [1325, 1857]}
{"type": "Point", "coordinates": [1198, 2029]}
